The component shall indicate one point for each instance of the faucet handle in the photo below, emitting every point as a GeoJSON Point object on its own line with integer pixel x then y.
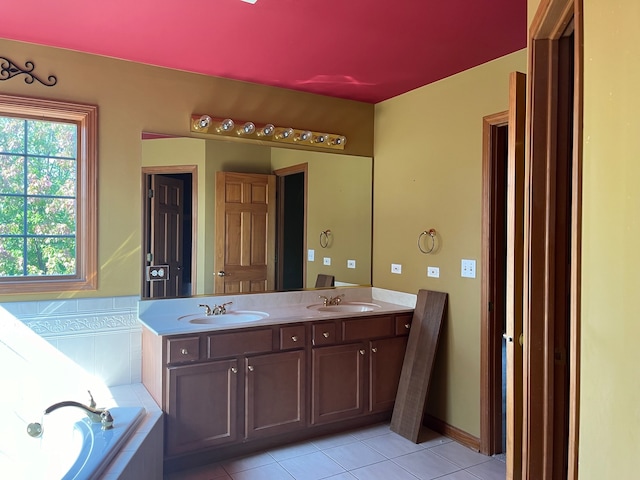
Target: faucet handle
{"type": "Point", "coordinates": [223, 307]}
{"type": "Point", "coordinates": [325, 300]}
{"type": "Point", "coordinates": [337, 299]}
{"type": "Point", "coordinates": [207, 310]}
{"type": "Point", "coordinates": [92, 403]}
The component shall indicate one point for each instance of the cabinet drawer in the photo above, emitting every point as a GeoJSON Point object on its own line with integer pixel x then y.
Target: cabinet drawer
{"type": "Point", "coordinates": [324, 333]}
{"type": "Point", "coordinates": [180, 350]}
{"type": "Point", "coordinates": [364, 328]}
{"type": "Point", "coordinates": [292, 337]}
{"type": "Point", "coordinates": [403, 323]}
{"type": "Point", "coordinates": [239, 343]}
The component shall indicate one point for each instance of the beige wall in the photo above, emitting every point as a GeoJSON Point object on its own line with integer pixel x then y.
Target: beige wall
{"type": "Point", "coordinates": [427, 174]}
{"type": "Point", "coordinates": [610, 385]}
{"type": "Point", "coordinates": [133, 98]}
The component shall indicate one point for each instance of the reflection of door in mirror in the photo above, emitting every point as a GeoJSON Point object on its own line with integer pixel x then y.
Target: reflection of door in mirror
{"type": "Point", "coordinates": [291, 225]}
{"type": "Point", "coordinates": [244, 233]}
{"type": "Point", "coordinates": [168, 235]}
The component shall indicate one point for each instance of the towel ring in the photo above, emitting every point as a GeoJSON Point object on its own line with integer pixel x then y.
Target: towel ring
{"type": "Point", "coordinates": [432, 234]}
{"type": "Point", "coordinates": [324, 238]}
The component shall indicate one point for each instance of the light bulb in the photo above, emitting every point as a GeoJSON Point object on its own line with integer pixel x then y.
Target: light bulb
{"type": "Point", "coordinates": [285, 133]}
{"type": "Point", "coordinates": [247, 129]}
{"type": "Point", "coordinates": [203, 122]}
{"type": "Point", "coordinates": [267, 130]}
{"type": "Point", "coordinates": [337, 140]}
{"type": "Point", "coordinates": [303, 136]}
{"type": "Point", "coordinates": [320, 139]}
{"type": "Point", "coordinates": [226, 125]}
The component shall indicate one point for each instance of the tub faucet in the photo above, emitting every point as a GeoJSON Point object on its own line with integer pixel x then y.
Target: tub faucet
{"type": "Point", "coordinates": [97, 415]}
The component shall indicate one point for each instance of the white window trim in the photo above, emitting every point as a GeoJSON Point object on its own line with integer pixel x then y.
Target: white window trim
{"type": "Point", "coordinates": [86, 117]}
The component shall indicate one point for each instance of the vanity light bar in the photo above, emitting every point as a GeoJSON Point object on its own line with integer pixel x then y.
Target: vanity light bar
{"type": "Point", "coordinates": [226, 127]}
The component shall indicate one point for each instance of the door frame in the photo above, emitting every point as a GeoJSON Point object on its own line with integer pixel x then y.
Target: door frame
{"type": "Point", "coordinates": [490, 344]}
{"type": "Point", "coordinates": [147, 173]}
{"type": "Point", "coordinates": [280, 174]}
{"type": "Point", "coordinates": [548, 26]}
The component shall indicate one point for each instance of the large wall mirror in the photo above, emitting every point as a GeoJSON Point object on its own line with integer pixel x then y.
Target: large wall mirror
{"type": "Point", "coordinates": [323, 210]}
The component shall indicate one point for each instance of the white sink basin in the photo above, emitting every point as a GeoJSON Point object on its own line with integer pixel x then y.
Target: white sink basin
{"type": "Point", "coordinates": [239, 316]}
{"type": "Point", "coordinates": [346, 307]}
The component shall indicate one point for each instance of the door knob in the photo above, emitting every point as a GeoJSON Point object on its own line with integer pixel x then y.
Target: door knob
{"type": "Point", "coordinates": [250, 367]}
{"type": "Point", "coordinates": [221, 273]}
{"type": "Point", "coordinates": [234, 370]}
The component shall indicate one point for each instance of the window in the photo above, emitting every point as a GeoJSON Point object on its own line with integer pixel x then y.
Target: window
{"type": "Point", "coordinates": [48, 165]}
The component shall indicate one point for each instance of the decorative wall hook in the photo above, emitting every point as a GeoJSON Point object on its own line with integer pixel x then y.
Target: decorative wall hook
{"type": "Point", "coordinates": [431, 233]}
{"type": "Point", "coordinates": [324, 238]}
{"type": "Point", "coordinates": [8, 70]}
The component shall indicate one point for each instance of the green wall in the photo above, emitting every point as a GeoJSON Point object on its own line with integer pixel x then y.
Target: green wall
{"type": "Point", "coordinates": [428, 174]}
{"type": "Point", "coordinates": [610, 386]}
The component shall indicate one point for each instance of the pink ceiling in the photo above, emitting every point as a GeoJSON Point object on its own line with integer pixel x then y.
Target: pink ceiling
{"type": "Point", "coordinates": [356, 49]}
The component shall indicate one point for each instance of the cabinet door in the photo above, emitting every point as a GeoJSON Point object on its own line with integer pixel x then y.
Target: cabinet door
{"type": "Point", "coordinates": [385, 367]}
{"type": "Point", "coordinates": [338, 382]}
{"type": "Point", "coordinates": [201, 407]}
{"type": "Point", "coordinates": [275, 399]}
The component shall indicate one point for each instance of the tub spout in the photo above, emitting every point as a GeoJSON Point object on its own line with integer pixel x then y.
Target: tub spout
{"type": "Point", "coordinates": [97, 415]}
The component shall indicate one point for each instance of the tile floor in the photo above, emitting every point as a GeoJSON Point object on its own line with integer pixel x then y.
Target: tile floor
{"type": "Point", "coordinates": [372, 453]}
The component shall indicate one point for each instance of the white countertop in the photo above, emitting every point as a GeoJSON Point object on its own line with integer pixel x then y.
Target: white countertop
{"type": "Point", "coordinates": [162, 316]}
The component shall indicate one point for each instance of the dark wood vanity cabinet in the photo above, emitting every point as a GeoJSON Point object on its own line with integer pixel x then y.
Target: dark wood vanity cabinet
{"type": "Point", "coordinates": [360, 374]}
{"type": "Point", "coordinates": [201, 407]}
{"type": "Point", "coordinates": [275, 393]}
{"type": "Point", "coordinates": [235, 386]}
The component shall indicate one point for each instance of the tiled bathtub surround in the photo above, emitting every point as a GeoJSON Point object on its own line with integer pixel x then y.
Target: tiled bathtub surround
{"type": "Point", "coordinates": [36, 375]}
{"type": "Point", "coordinates": [102, 335]}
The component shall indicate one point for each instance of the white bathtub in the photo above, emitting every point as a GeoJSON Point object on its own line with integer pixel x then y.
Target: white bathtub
{"type": "Point", "coordinates": [71, 446]}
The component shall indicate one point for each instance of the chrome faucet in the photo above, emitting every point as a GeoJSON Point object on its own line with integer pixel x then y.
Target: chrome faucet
{"type": "Point", "coordinates": [97, 415]}
{"type": "Point", "coordinates": [331, 300]}
{"type": "Point", "coordinates": [216, 310]}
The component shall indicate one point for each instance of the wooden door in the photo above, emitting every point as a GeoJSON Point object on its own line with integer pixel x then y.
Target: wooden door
{"type": "Point", "coordinates": [337, 382]}
{"type": "Point", "coordinates": [276, 394]}
{"type": "Point", "coordinates": [385, 366]}
{"type": "Point", "coordinates": [245, 232]}
{"type": "Point", "coordinates": [515, 268]}
{"type": "Point", "coordinates": [202, 406]}
{"type": "Point", "coordinates": [167, 212]}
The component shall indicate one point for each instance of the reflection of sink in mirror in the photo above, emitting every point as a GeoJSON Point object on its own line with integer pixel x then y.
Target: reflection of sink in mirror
{"type": "Point", "coordinates": [239, 316]}
{"type": "Point", "coordinates": [346, 307]}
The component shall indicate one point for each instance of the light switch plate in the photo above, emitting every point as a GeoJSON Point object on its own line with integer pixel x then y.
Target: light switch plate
{"type": "Point", "coordinates": [396, 268]}
{"type": "Point", "coordinates": [326, 260]}
{"type": "Point", "coordinates": [311, 255]}
{"type": "Point", "coordinates": [468, 268]}
{"type": "Point", "coordinates": [433, 272]}
{"type": "Point", "coordinates": [157, 272]}
{"type": "Point", "coordinates": [351, 264]}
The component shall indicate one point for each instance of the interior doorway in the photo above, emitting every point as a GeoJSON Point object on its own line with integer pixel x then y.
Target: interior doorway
{"type": "Point", "coordinates": [291, 227]}
{"type": "Point", "coordinates": [494, 281]}
{"type": "Point", "coordinates": [168, 269]}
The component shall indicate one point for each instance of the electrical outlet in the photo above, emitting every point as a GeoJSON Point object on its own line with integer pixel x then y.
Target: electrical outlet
{"type": "Point", "coordinates": [157, 272]}
{"type": "Point", "coordinates": [433, 272]}
{"type": "Point", "coordinates": [311, 255]}
{"type": "Point", "coordinates": [396, 268]}
{"type": "Point", "coordinates": [326, 261]}
{"type": "Point", "coordinates": [468, 268]}
{"type": "Point", "coordinates": [351, 264]}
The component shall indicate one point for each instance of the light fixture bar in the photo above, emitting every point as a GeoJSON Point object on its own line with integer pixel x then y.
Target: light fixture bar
{"type": "Point", "coordinates": [227, 127]}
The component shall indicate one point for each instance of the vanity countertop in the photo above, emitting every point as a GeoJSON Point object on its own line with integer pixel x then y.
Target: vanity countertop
{"type": "Point", "coordinates": [172, 316]}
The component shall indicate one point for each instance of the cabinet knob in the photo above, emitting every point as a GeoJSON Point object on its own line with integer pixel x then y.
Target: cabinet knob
{"type": "Point", "coordinates": [234, 370]}
{"type": "Point", "coordinates": [325, 334]}
{"type": "Point", "coordinates": [294, 338]}
{"type": "Point", "coordinates": [374, 349]}
{"type": "Point", "coordinates": [361, 352]}
{"type": "Point", "coordinates": [407, 326]}
{"type": "Point", "coordinates": [250, 367]}
{"type": "Point", "coordinates": [184, 351]}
